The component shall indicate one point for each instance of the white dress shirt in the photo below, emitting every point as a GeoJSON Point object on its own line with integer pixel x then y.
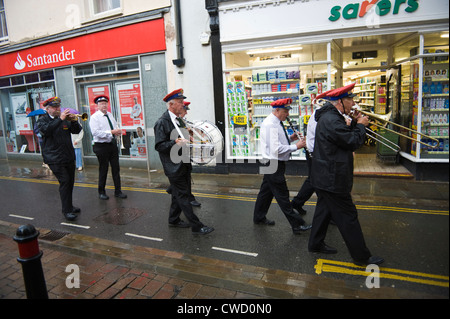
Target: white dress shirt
{"type": "Point", "coordinates": [175, 122]}
{"type": "Point", "coordinates": [274, 144]}
{"type": "Point", "coordinates": [311, 132]}
{"type": "Point", "coordinates": [100, 129]}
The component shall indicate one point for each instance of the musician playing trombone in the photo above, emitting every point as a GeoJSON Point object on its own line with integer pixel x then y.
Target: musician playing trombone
{"type": "Point", "coordinates": [276, 148]}
{"type": "Point", "coordinates": [332, 175]}
{"type": "Point", "coordinates": [56, 128]}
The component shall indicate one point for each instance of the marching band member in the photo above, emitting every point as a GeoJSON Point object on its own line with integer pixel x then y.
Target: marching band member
{"type": "Point", "coordinates": [57, 151]}
{"type": "Point", "coordinates": [275, 146]}
{"type": "Point", "coordinates": [169, 141]}
{"type": "Point", "coordinates": [332, 175]}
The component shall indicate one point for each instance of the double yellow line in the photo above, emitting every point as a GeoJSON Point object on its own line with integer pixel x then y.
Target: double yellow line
{"type": "Point", "coordinates": [325, 265]}
{"type": "Point", "coordinates": [233, 197]}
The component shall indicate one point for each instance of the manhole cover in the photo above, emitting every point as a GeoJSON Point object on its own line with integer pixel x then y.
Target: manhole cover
{"type": "Point", "coordinates": [120, 216]}
{"type": "Point", "coordinates": [53, 235]}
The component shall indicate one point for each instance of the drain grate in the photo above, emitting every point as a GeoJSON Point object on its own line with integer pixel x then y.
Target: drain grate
{"type": "Point", "coordinates": [53, 235]}
{"type": "Point", "coordinates": [120, 216]}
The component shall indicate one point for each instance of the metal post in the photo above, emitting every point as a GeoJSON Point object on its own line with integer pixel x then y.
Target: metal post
{"type": "Point", "coordinates": [30, 258]}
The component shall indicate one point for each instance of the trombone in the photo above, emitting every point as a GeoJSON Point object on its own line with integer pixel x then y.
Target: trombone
{"type": "Point", "coordinates": [382, 118]}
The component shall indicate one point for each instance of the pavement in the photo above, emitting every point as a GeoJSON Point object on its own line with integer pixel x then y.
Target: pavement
{"type": "Point", "coordinates": [114, 270]}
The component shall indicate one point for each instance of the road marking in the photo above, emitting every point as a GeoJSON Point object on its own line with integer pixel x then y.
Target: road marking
{"type": "Point", "coordinates": [325, 265]}
{"type": "Point", "coordinates": [23, 217]}
{"type": "Point", "coordinates": [75, 225]}
{"type": "Point", "coordinates": [235, 251]}
{"type": "Point", "coordinates": [236, 198]}
{"type": "Point", "coordinates": [144, 237]}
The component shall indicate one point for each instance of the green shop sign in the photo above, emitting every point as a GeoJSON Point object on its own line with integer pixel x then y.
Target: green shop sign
{"type": "Point", "coordinates": [383, 7]}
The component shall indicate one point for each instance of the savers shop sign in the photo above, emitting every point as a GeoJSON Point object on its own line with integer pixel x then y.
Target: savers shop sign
{"type": "Point", "coordinates": [382, 8]}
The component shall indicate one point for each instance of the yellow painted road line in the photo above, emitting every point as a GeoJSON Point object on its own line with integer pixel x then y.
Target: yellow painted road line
{"type": "Point", "coordinates": [233, 197]}
{"type": "Point", "coordinates": [324, 265]}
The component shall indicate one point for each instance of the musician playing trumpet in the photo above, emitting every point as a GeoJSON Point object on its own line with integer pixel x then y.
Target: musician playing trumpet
{"type": "Point", "coordinates": [332, 175]}
{"type": "Point", "coordinates": [57, 151]}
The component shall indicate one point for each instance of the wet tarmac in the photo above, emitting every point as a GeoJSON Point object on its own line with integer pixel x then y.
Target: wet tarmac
{"type": "Point", "coordinates": [403, 220]}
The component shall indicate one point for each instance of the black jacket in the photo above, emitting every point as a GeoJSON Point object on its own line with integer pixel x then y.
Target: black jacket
{"type": "Point", "coordinates": [57, 147]}
{"type": "Point", "coordinates": [335, 141]}
{"type": "Point", "coordinates": [174, 159]}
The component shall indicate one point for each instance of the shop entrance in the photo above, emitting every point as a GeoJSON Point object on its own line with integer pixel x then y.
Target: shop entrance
{"type": "Point", "coordinates": [370, 62]}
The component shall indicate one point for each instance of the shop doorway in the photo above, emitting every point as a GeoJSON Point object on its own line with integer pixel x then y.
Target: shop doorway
{"type": "Point", "coordinates": [369, 61]}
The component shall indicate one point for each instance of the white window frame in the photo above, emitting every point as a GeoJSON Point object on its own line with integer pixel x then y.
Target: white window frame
{"type": "Point", "coordinates": [104, 14]}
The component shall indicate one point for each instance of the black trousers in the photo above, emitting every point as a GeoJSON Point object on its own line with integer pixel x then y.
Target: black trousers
{"type": "Point", "coordinates": [180, 186]}
{"type": "Point", "coordinates": [307, 189]}
{"type": "Point", "coordinates": [65, 173]}
{"type": "Point", "coordinates": [342, 210]}
{"type": "Point", "coordinates": [274, 185]}
{"type": "Point", "coordinates": [108, 154]}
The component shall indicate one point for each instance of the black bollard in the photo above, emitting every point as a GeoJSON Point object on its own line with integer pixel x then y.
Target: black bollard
{"type": "Point", "coordinates": [30, 258]}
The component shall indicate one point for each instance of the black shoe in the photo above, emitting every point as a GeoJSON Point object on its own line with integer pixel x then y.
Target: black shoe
{"type": "Point", "coordinates": [76, 210]}
{"type": "Point", "coordinates": [195, 203]}
{"type": "Point", "coordinates": [301, 228]}
{"type": "Point", "coordinates": [266, 221]}
{"type": "Point", "coordinates": [70, 216]}
{"type": "Point", "coordinates": [369, 261]}
{"type": "Point", "coordinates": [203, 231]}
{"type": "Point", "coordinates": [324, 249]}
{"type": "Point", "coordinates": [120, 195]}
{"type": "Point", "coordinates": [298, 208]}
{"type": "Point", "coordinates": [103, 196]}
{"type": "Point", "coordinates": [180, 224]}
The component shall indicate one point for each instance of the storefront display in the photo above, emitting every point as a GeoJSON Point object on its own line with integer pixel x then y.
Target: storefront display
{"type": "Point", "coordinates": [370, 45]}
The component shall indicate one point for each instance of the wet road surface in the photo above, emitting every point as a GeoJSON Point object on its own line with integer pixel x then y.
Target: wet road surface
{"type": "Point", "coordinates": [412, 235]}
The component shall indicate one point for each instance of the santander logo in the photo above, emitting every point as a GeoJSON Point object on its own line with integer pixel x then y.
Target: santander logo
{"type": "Point", "coordinates": [20, 64]}
{"type": "Point", "coordinates": [51, 58]}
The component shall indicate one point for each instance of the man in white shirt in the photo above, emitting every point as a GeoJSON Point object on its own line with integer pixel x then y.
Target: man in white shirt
{"type": "Point", "coordinates": [104, 130]}
{"type": "Point", "coordinates": [276, 148]}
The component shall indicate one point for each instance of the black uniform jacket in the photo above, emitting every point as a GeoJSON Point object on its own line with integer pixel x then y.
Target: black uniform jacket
{"type": "Point", "coordinates": [173, 157]}
{"type": "Point", "coordinates": [57, 147]}
{"type": "Point", "coordinates": [335, 141]}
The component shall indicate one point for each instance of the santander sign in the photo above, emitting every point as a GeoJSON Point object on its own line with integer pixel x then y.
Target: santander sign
{"type": "Point", "coordinates": [134, 39]}
{"type": "Point", "coordinates": [45, 59]}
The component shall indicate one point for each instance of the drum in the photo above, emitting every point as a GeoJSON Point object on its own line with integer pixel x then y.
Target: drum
{"type": "Point", "coordinates": [207, 142]}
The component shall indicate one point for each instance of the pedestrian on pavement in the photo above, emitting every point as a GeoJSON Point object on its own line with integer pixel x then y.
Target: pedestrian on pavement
{"type": "Point", "coordinates": [171, 141]}
{"type": "Point", "coordinates": [332, 175]}
{"type": "Point", "coordinates": [57, 150]}
{"type": "Point", "coordinates": [40, 140]}
{"type": "Point", "coordinates": [76, 141]}
{"type": "Point", "coordinates": [276, 149]}
{"type": "Point", "coordinates": [104, 131]}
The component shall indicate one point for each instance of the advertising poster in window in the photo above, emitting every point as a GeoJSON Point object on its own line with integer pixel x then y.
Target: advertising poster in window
{"type": "Point", "coordinates": [95, 91]}
{"type": "Point", "coordinates": [19, 103]}
{"type": "Point", "coordinates": [129, 97]}
{"type": "Point", "coordinates": [131, 117]}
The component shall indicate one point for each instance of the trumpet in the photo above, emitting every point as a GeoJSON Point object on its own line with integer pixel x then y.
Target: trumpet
{"type": "Point", "coordinates": [74, 117]}
{"type": "Point", "coordinates": [384, 119]}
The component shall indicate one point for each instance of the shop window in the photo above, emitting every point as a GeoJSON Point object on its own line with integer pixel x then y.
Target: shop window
{"type": "Point", "coordinates": [84, 70]}
{"type": "Point", "coordinates": [255, 78]}
{"type": "Point", "coordinates": [17, 103]}
{"type": "Point", "coordinates": [46, 76]}
{"type": "Point", "coordinates": [127, 64]}
{"type": "Point", "coordinates": [105, 67]}
{"type": "Point", "coordinates": [17, 80]}
{"type": "Point", "coordinates": [4, 82]}
{"type": "Point", "coordinates": [125, 104]}
{"type": "Point", "coordinates": [32, 77]}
